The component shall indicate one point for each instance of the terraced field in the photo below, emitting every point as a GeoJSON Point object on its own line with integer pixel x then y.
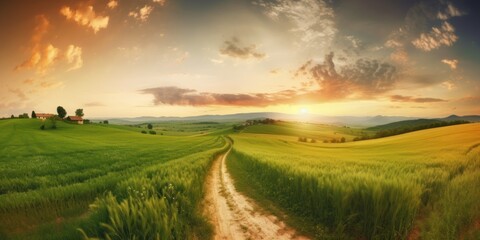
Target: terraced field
{"type": "Point", "coordinates": [420, 185]}
{"type": "Point", "coordinates": [108, 181]}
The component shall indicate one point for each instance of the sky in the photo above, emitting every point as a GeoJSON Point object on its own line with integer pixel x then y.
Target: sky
{"type": "Point", "coordinates": [126, 58]}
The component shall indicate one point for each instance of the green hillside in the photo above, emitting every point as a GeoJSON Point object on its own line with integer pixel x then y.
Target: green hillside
{"type": "Point", "coordinates": [49, 178]}
{"type": "Point", "coordinates": [378, 189]}
{"type": "Point", "coordinates": [404, 124]}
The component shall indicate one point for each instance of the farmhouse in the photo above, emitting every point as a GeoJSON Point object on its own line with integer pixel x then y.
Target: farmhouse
{"type": "Point", "coordinates": [77, 119]}
{"type": "Point", "coordinates": [44, 116]}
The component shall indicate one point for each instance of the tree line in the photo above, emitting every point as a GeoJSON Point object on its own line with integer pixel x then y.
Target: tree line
{"type": "Point", "coordinates": [402, 130]}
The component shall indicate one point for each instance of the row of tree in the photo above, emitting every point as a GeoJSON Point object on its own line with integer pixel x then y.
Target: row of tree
{"type": "Point", "coordinates": [62, 113]}
{"type": "Point", "coordinates": [247, 123]}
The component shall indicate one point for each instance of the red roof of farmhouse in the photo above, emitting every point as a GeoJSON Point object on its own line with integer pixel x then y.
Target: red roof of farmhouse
{"type": "Point", "coordinates": [75, 118]}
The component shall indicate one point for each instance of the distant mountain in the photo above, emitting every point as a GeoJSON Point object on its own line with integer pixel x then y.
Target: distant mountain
{"type": "Point", "coordinates": [422, 122]}
{"type": "Point", "coordinates": [470, 118]}
{"type": "Point", "coordinates": [360, 121]}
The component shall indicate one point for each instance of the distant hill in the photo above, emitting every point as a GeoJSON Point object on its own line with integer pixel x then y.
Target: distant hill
{"type": "Point", "coordinates": [422, 122]}
{"type": "Point", "coordinates": [404, 124]}
{"type": "Point", "coordinates": [360, 121]}
{"type": "Point", "coordinates": [470, 118]}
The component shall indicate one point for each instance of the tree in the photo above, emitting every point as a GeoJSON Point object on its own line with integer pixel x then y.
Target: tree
{"type": "Point", "coordinates": [25, 115]}
{"type": "Point", "coordinates": [79, 112]}
{"type": "Point", "coordinates": [12, 116]}
{"type": "Point", "coordinates": [34, 115]}
{"type": "Point", "coordinates": [61, 112]}
{"type": "Point", "coordinates": [342, 139]}
{"type": "Point", "coordinates": [149, 126]}
{"type": "Point", "coordinates": [105, 121]}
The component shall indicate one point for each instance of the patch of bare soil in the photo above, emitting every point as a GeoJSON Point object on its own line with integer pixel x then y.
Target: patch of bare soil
{"type": "Point", "coordinates": [236, 216]}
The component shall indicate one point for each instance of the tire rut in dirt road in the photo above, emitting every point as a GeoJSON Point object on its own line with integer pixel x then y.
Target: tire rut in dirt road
{"type": "Point", "coordinates": [236, 216]}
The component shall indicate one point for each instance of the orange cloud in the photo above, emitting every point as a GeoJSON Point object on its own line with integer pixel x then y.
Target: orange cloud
{"type": "Point", "coordinates": [74, 57]}
{"type": "Point", "coordinates": [42, 57]}
{"type": "Point", "coordinates": [142, 14]}
{"type": "Point", "coordinates": [452, 63]}
{"type": "Point", "coordinates": [400, 98]}
{"type": "Point", "coordinates": [112, 4]}
{"type": "Point", "coordinates": [190, 97]}
{"type": "Point", "coordinates": [85, 16]}
{"type": "Point", "coordinates": [438, 36]}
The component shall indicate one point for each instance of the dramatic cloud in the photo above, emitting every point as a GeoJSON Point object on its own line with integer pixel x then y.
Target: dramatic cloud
{"type": "Point", "coordinates": [363, 79]}
{"type": "Point", "coordinates": [449, 12]}
{"type": "Point", "coordinates": [42, 57]}
{"type": "Point", "coordinates": [452, 63]}
{"type": "Point", "coordinates": [313, 20]}
{"type": "Point", "coordinates": [417, 28]}
{"type": "Point", "coordinates": [400, 98]}
{"type": "Point", "coordinates": [112, 4]}
{"type": "Point", "coordinates": [438, 36]}
{"type": "Point", "coordinates": [190, 97]}
{"type": "Point", "coordinates": [142, 13]}
{"type": "Point", "coordinates": [233, 48]}
{"type": "Point", "coordinates": [85, 16]}
{"type": "Point", "coordinates": [74, 57]}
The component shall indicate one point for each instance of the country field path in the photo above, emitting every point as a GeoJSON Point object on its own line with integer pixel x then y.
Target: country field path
{"type": "Point", "coordinates": [236, 216]}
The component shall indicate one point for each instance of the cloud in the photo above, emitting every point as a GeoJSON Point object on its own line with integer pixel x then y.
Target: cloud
{"type": "Point", "coordinates": [363, 79]}
{"type": "Point", "coordinates": [85, 16]}
{"type": "Point", "coordinates": [417, 29]}
{"type": "Point", "coordinates": [312, 20]}
{"type": "Point", "coordinates": [233, 48]}
{"type": "Point", "coordinates": [74, 57]}
{"type": "Point", "coordinates": [141, 14]}
{"type": "Point", "coordinates": [161, 2]}
{"type": "Point", "coordinates": [41, 57]}
{"type": "Point", "coordinates": [48, 85]}
{"type": "Point", "coordinates": [112, 4]}
{"type": "Point", "coordinates": [448, 85]}
{"type": "Point", "coordinates": [94, 104]}
{"type": "Point", "coordinates": [438, 36]}
{"type": "Point", "coordinates": [399, 55]}
{"type": "Point", "coordinates": [452, 63]}
{"type": "Point", "coordinates": [190, 97]}
{"type": "Point", "coordinates": [449, 12]}
{"type": "Point", "coordinates": [401, 98]}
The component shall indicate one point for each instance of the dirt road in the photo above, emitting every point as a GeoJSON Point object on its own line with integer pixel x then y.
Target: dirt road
{"type": "Point", "coordinates": [234, 215]}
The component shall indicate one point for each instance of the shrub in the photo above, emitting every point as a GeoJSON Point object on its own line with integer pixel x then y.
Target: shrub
{"type": "Point", "coordinates": [144, 132]}
{"type": "Point", "coordinates": [342, 139]}
{"type": "Point", "coordinates": [152, 132]}
{"type": "Point", "coordinates": [325, 141]}
{"type": "Point", "coordinates": [313, 141]}
{"type": "Point", "coordinates": [42, 127]}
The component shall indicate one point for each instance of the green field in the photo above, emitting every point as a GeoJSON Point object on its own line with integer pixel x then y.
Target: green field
{"type": "Point", "coordinates": [422, 183]}
{"type": "Point", "coordinates": [57, 180]}
{"type": "Point", "coordinates": [113, 182]}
